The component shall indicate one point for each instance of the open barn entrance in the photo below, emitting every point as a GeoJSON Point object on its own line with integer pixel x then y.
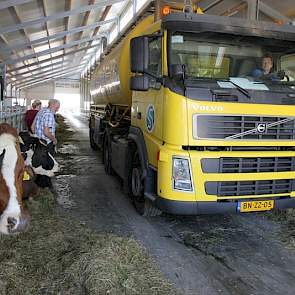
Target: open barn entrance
{"type": "Point", "coordinates": [68, 93]}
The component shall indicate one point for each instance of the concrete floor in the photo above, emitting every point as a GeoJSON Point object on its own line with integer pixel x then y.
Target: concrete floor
{"type": "Point", "coordinates": [221, 254]}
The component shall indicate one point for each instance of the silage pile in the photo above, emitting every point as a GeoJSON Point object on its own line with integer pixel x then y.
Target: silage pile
{"type": "Point", "coordinates": [58, 255]}
{"type": "Point", "coordinates": [286, 219]}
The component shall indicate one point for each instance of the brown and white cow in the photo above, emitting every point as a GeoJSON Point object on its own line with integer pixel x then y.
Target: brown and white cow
{"type": "Point", "coordinates": [13, 219]}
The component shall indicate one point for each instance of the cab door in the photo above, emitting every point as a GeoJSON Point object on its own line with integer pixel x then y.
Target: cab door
{"type": "Point", "coordinates": [150, 103]}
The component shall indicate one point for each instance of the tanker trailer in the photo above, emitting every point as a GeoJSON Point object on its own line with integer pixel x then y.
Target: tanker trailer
{"type": "Point", "coordinates": [196, 132]}
{"type": "Point", "coordinates": [110, 88]}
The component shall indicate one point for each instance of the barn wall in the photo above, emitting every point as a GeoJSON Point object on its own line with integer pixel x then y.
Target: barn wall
{"type": "Point", "coordinates": [42, 92]}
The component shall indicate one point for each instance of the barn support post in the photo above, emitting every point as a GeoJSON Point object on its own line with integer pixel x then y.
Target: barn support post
{"type": "Point", "coordinates": [3, 88]}
{"type": "Point", "coordinates": [253, 9]}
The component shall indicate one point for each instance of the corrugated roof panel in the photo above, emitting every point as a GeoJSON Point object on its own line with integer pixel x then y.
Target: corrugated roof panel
{"type": "Point", "coordinates": [56, 43]}
{"type": "Point", "coordinates": [14, 37]}
{"type": "Point", "coordinates": [41, 48]}
{"type": "Point", "coordinates": [57, 24]}
{"type": "Point", "coordinates": [46, 63]}
{"type": "Point", "coordinates": [27, 75]}
{"type": "Point", "coordinates": [55, 30]}
{"type": "Point", "coordinates": [29, 11]}
{"type": "Point", "coordinates": [115, 11]}
{"type": "Point", "coordinates": [54, 6]}
{"type": "Point", "coordinates": [36, 32]}
{"type": "Point", "coordinates": [58, 60]}
{"type": "Point", "coordinates": [57, 53]}
{"type": "Point", "coordinates": [42, 57]}
{"type": "Point", "coordinates": [6, 19]}
{"type": "Point", "coordinates": [77, 3]}
{"type": "Point", "coordinates": [32, 67]}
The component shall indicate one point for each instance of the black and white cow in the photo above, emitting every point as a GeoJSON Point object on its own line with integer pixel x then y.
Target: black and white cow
{"type": "Point", "coordinates": [27, 141]}
{"type": "Point", "coordinates": [37, 156]}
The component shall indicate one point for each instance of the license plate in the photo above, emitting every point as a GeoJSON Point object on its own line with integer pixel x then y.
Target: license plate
{"type": "Point", "coordinates": [256, 206]}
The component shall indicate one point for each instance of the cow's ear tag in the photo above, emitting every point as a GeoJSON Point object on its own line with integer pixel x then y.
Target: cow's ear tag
{"type": "Point", "coordinates": [26, 176]}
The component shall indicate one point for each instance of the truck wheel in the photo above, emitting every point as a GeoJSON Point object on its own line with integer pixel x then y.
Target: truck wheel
{"type": "Point", "coordinates": [93, 145]}
{"type": "Point", "coordinates": [107, 156]}
{"type": "Point", "coordinates": [143, 206]}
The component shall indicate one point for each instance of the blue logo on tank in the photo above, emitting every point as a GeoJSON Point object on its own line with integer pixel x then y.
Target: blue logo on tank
{"type": "Point", "coordinates": [150, 118]}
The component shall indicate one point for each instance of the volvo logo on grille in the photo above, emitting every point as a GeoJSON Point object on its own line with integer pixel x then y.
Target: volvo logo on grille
{"type": "Point", "coordinates": [261, 128]}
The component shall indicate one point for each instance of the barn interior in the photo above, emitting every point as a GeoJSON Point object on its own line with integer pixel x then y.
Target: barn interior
{"type": "Point", "coordinates": [85, 236]}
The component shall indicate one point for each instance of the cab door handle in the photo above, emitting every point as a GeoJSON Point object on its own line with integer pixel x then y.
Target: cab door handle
{"type": "Point", "coordinates": [139, 115]}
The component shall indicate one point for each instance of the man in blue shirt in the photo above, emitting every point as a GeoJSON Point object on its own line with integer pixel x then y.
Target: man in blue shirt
{"type": "Point", "coordinates": [44, 125]}
{"type": "Point", "coordinates": [266, 70]}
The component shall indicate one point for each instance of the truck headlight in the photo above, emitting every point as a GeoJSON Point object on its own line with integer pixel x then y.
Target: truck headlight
{"type": "Point", "coordinates": [181, 174]}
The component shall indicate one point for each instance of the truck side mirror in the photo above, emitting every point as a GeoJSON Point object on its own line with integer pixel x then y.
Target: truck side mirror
{"type": "Point", "coordinates": [139, 83]}
{"type": "Point", "coordinates": [139, 54]}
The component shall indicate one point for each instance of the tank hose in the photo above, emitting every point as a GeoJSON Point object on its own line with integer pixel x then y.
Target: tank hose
{"type": "Point", "coordinates": [114, 125]}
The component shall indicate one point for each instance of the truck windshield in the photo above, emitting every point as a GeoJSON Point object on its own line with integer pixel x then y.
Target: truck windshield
{"type": "Point", "coordinates": [225, 58]}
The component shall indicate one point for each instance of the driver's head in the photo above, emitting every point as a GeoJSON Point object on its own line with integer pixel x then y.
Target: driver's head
{"type": "Point", "coordinates": [267, 64]}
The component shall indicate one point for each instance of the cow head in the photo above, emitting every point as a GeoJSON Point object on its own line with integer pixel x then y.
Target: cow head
{"type": "Point", "coordinates": [13, 219]}
{"type": "Point", "coordinates": [42, 162]}
{"type": "Point", "coordinates": [26, 142]}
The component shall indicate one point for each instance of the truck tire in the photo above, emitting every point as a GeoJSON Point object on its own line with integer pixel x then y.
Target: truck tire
{"type": "Point", "coordinates": [143, 206]}
{"type": "Point", "coordinates": [93, 145]}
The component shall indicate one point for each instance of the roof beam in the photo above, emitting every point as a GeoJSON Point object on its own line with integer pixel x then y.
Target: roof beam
{"type": "Point", "coordinates": [25, 85]}
{"type": "Point", "coordinates": [45, 74]}
{"type": "Point", "coordinates": [68, 6]}
{"type": "Point", "coordinates": [6, 42]}
{"type": "Point", "coordinates": [24, 45]}
{"type": "Point", "coordinates": [253, 10]}
{"type": "Point", "coordinates": [14, 13]}
{"type": "Point", "coordinates": [86, 18]}
{"type": "Point", "coordinates": [234, 10]}
{"type": "Point", "coordinates": [35, 70]}
{"type": "Point", "coordinates": [73, 71]}
{"type": "Point", "coordinates": [273, 13]}
{"type": "Point", "coordinates": [44, 8]}
{"type": "Point", "coordinates": [49, 59]}
{"type": "Point", "coordinates": [211, 5]}
{"type": "Point", "coordinates": [58, 15]}
{"type": "Point", "coordinates": [8, 3]}
{"type": "Point", "coordinates": [102, 18]}
{"type": "Point", "coordinates": [56, 65]}
{"type": "Point", "coordinates": [48, 51]}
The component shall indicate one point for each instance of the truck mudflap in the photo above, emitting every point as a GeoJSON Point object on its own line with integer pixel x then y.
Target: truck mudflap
{"type": "Point", "coordinates": [196, 208]}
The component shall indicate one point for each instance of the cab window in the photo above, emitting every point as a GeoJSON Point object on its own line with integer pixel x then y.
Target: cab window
{"type": "Point", "coordinates": [155, 57]}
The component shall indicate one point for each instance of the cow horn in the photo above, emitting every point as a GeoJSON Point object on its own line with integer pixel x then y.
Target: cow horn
{"type": "Point", "coordinates": [20, 140]}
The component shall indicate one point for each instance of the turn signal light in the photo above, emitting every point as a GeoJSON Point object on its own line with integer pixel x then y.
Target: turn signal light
{"type": "Point", "coordinates": [166, 10]}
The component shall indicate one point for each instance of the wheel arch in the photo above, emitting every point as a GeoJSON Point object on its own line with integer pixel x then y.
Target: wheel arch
{"type": "Point", "coordinates": [135, 134]}
{"type": "Point", "coordinates": [149, 174]}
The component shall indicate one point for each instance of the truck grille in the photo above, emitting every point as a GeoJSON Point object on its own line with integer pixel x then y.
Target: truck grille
{"type": "Point", "coordinates": [248, 165]}
{"type": "Point", "coordinates": [243, 127]}
{"type": "Point", "coordinates": [245, 188]}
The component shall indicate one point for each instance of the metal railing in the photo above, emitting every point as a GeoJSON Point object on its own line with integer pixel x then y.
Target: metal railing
{"type": "Point", "coordinates": [15, 119]}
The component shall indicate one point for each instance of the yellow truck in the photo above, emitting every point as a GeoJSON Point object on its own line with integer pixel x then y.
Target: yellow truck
{"type": "Point", "coordinates": [187, 117]}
